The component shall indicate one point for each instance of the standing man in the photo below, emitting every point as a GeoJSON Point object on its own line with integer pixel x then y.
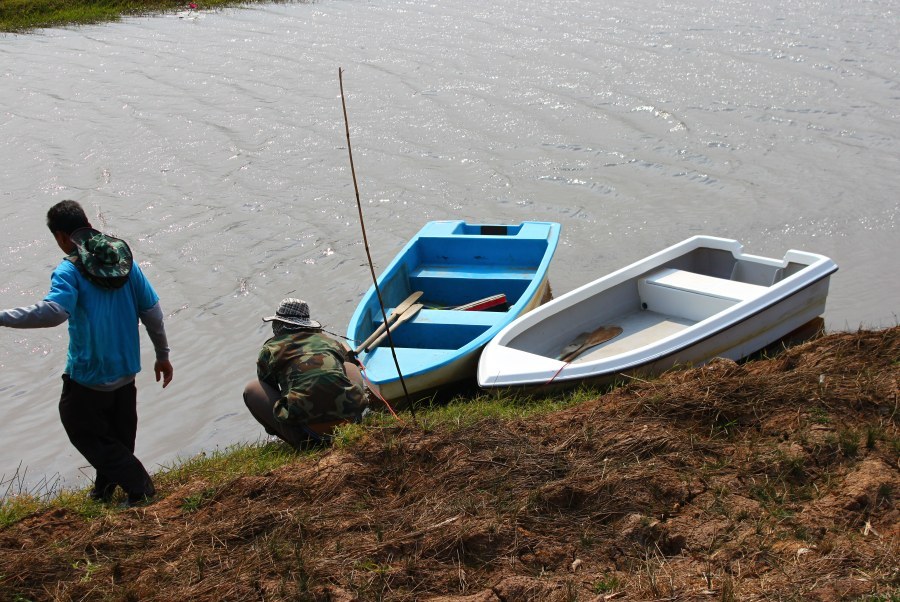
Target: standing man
{"type": "Point", "coordinates": [306, 384]}
{"type": "Point", "coordinates": [102, 292]}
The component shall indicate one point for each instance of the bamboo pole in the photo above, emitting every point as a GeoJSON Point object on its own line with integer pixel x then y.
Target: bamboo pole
{"type": "Point", "coordinates": [366, 245]}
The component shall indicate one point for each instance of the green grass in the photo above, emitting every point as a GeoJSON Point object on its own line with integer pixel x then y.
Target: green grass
{"type": "Point", "coordinates": [214, 468]}
{"type": "Point", "coordinates": [606, 585]}
{"type": "Point", "coordinates": [24, 15]}
{"type": "Point", "coordinates": [221, 466]}
{"type": "Point", "coordinates": [464, 411]}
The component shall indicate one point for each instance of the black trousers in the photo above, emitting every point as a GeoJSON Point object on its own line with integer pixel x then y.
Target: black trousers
{"type": "Point", "coordinates": [102, 425]}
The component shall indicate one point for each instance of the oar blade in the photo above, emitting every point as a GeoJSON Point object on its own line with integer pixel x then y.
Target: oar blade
{"type": "Point", "coordinates": [408, 314]}
{"type": "Point", "coordinates": [574, 346]}
{"type": "Point", "coordinates": [603, 334]}
{"type": "Point", "coordinates": [407, 303]}
{"type": "Point", "coordinates": [600, 335]}
{"type": "Point", "coordinates": [397, 312]}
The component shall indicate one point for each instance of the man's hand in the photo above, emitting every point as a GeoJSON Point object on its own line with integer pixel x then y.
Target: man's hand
{"type": "Point", "coordinates": [163, 368]}
{"type": "Point", "coordinates": [351, 357]}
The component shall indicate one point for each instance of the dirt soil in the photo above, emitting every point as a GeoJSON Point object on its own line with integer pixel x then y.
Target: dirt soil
{"type": "Point", "coordinates": [775, 479]}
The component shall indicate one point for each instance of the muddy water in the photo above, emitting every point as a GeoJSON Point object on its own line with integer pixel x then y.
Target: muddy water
{"type": "Point", "coordinates": [214, 142]}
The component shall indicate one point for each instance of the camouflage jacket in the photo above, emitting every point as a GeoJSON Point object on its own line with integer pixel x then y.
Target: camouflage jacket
{"type": "Point", "coordinates": [307, 367]}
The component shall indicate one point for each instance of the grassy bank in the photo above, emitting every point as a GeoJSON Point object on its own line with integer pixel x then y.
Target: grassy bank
{"type": "Point", "coordinates": [775, 479]}
{"type": "Point", "coordinates": [20, 499]}
{"type": "Point", "coordinates": [216, 467]}
{"type": "Point", "coordinates": [24, 15]}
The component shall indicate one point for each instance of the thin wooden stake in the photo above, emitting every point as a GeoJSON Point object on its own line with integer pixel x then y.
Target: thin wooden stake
{"type": "Point", "coordinates": [366, 245]}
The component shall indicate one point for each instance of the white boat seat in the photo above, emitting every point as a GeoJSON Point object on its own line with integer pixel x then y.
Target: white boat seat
{"type": "Point", "coordinates": [691, 295]}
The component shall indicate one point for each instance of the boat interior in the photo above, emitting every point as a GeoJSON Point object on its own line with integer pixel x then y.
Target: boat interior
{"type": "Point", "coordinates": [477, 263]}
{"type": "Point", "coordinates": [659, 302]}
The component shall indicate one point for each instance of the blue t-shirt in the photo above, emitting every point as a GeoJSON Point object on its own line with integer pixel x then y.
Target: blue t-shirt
{"type": "Point", "coordinates": [104, 341]}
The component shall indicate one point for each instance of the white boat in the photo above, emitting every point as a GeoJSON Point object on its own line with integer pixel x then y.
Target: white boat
{"type": "Point", "coordinates": [685, 305]}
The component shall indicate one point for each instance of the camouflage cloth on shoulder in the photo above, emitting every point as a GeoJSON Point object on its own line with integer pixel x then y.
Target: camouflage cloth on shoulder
{"type": "Point", "coordinates": [308, 368]}
{"type": "Point", "coordinates": [103, 259]}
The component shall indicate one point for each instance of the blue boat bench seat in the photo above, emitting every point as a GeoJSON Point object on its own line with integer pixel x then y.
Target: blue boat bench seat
{"type": "Point", "coordinates": [431, 338]}
{"type": "Point", "coordinates": [443, 328]}
{"type": "Point", "coordinates": [450, 285]}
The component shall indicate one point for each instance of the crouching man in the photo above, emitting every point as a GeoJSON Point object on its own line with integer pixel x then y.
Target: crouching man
{"type": "Point", "coordinates": [306, 384]}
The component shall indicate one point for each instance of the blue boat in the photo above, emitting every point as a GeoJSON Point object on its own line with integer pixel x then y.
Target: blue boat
{"type": "Point", "coordinates": [448, 292]}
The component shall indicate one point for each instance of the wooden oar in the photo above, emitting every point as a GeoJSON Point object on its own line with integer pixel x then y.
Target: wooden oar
{"type": "Point", "coordinates": [573, 345]}
{"type": "Point", "coordinates": [601, 335]}
{"type": "Point", "coordinates": [409, 313]}
{"type": "Point", "coordinates": [398, 311]}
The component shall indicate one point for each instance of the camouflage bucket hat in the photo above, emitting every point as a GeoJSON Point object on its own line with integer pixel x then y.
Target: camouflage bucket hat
{"type": "Point", "coordinates": [104, 260]}
{"type": "Point", "coordinates": [293, 311]}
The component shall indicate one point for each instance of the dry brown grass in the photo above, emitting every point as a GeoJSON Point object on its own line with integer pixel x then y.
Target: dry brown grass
{"type": "Point", "coordinates": [775, 479]}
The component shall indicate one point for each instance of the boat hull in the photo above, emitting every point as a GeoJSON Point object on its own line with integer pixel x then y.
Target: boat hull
{"type": "Point", "coordinates": [431, 383]}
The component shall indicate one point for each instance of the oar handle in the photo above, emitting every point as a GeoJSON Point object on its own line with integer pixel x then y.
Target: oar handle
{"type": "Point", "coordinates": [572, 355]}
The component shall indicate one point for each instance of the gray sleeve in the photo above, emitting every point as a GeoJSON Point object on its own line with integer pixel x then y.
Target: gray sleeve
{"type": "Point", "coordinates": [153, 322]}
{"type": "Point", "coordinates": [43, 314]}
